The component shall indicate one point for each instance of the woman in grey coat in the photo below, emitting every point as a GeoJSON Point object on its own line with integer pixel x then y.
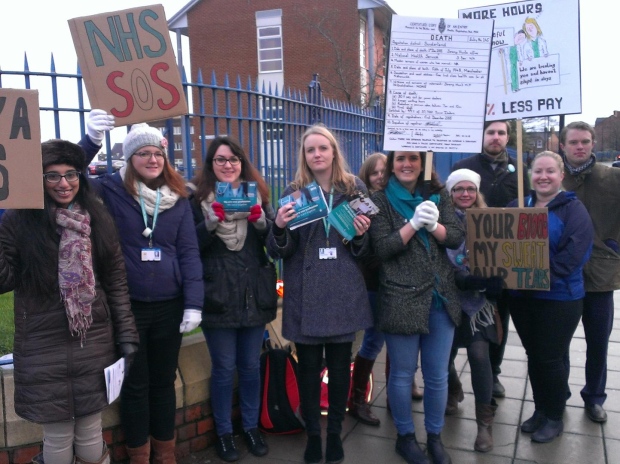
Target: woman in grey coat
{"type": "Point", "coordinates": [418, 302]}
{"type": "Point", "coordinates": [325, 301]}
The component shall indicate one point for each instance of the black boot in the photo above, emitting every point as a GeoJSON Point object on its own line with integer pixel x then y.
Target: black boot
{"type": "Point", "coordinates": [435, 449]}
{"type": "Point", "coordinates": [358, 406]}
{"type": "Point", "coordinates": [333, 450]}
{"type": "Point", "coordinates": [407, 446]}
{"type": "Point", "coordinates": [313, 453]}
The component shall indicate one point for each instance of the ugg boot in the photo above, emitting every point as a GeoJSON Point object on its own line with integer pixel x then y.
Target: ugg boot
{"type": "Point", "coordinates": [416, 393]}
{"type": "Point", "coordinates": [358, 406]}
{"type": "Point", "coordinates": [104, 459]}
{"type": "Point", "coordinates": [140, 455]}
{"type": "Point", "coordinates": [484, 418]}
{"type": "Point", "coordinates": [455, 392]}
{"type": "Point", "coordinates": [163, 451]}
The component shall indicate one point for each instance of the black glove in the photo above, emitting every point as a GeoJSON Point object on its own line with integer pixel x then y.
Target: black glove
{"type": "Point", "coordinates": [472, 282]}
{"type": "Point", "coordinates": [494, 287]}
{"type": "Point", "coordinates": [128, 351]}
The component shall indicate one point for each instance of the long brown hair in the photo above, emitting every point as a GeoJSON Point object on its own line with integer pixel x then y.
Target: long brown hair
{"type": "Point", "coordinates": [168, 177]}
{"type": "Point", "coordinates": [369, 165]}
{"type": "Point", "coordinates": [342, 179]}
{"type": "Point", "coordinates": [435, 185]}
{"type": "Point", "coordinates": [206, 179]}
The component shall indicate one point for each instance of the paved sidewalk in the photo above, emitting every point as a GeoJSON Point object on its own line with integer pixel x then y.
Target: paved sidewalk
{"type": "Point", "coordinates": [582, 441]}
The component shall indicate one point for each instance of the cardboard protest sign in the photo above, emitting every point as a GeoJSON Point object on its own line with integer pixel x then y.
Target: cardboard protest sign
{"type": "Point", "coordinates": [128, 64]}
{"type": "Point", "coordinates": [535, 62]}
{"type": "Point", "coordinates": [512, 243]}
{"type": "Point", "coordinates": [21, 171]}
{"type": "Point", "coordinates": [437, 84]}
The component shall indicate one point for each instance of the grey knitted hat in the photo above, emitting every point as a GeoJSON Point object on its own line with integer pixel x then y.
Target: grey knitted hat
{"type": "Point", "coordinates": [142, 135]}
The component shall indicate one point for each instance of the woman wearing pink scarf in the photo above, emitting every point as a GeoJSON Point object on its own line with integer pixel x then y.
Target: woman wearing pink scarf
{"type": "Point", "coordinates": [72, 311]}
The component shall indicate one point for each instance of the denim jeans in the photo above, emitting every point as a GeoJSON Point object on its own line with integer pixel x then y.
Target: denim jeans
{"type": "Point", "coordinates": [235, 350]}
{"type": "Point", "coordinates": [434, 352]}
{"type": "Point", "coordinates": [310, 364]}
{"type": "Point", "coordinates": [148, 400]}
{"type": "Point", "coordinates": [373, 339]}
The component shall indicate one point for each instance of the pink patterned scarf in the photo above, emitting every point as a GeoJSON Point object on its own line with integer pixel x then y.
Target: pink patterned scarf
{"type": "Point", "coordinates": [75, 268]}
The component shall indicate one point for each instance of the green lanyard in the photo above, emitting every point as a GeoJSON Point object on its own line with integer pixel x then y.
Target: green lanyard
{"type": "Point", "coordinates": [326, 223]}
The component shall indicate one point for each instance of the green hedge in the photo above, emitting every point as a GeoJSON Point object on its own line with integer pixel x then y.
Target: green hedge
{"type": "Point", "coordinates": [7, 328]}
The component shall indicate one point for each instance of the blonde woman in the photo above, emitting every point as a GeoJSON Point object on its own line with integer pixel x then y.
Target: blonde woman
{"type": "Point", "coordinates": [325, 301]}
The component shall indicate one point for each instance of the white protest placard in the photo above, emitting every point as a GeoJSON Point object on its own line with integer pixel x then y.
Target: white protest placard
{"type": "Point", "coordinates": [437, 84]}
{"type": "Point", "coordinates": [535, 61]}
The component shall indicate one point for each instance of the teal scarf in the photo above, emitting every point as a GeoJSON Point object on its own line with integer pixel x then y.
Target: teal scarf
{"type": "Point", "coordinates": [405, 203]}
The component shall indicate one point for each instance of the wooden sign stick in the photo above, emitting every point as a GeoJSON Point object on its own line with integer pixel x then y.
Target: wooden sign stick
{"type": "Point", "coordinates": [428, 170]}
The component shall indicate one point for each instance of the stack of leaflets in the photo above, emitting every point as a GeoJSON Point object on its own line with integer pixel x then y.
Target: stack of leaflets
{"type": "Point", "coordinates": [342, 216]}
{"type": "Point", "coordinates": [114, 376]}
{"type": "Point", "coordinates": [236, 200]}
{"type": "Point", "coordinates": [310, 205]}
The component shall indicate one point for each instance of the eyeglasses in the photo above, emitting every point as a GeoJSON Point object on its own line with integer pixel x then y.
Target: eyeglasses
{"type": "Point", "coordinates": [462, 190]}
{"type": "Point", "coordinates": [221, 161]}
{"type": "Point", "coordinates": [147, 155]}
{"type": "Point", "coordinates": [54, 177]}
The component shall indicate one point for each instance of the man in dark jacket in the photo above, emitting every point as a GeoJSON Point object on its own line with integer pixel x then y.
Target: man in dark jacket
{"type": "Point", "coordinates": [598, 187]}
{"type": "Point", "coordinates": [499, 185]}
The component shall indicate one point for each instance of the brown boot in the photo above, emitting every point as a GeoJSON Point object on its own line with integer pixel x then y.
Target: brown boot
{"type": "Point", "coordinates": [163, 451]}
{"type": "Point", "coordinates": [416, 393]}
{"type": "Point", "coordinates": [140, 455]}
{"type": "Point", "coordinates": [455, 395]}
{"type": "Point", "coordinates": [484, 419]}
{"type": "Point", "coordinates": [358, 406]}
{"type": "Point", "coordinates": [104, 459]}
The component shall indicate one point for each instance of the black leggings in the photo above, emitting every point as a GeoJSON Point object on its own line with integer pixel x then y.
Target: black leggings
{"type": "Point", "coordinates": [148, 400]}
{"type": "Point", "coordinates": [480, 365]}
{"type": "Point", "coordinates": [338, 360]}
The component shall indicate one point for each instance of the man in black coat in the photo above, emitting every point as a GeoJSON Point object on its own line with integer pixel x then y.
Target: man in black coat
{"type": "Point", "coordinates": [499, 185]}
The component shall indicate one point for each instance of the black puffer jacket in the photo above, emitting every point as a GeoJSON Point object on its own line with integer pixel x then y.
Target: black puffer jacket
{"type": "Point", "coordinates": [57, 379]}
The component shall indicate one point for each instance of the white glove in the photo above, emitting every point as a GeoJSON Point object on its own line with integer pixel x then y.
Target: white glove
{"type": "Point", "coordinates": [97, 124]}
{"type": "Point", "coordinates": [191, 319]}
{"type": "Point", "coordinates": [431, 210]}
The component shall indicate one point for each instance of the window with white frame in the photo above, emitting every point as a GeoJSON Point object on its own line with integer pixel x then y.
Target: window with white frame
{"type": "Point", "coordinates": [269, 49]}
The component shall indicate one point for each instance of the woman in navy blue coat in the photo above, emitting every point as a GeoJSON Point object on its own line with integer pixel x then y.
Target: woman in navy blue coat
{"type": "Point", "coordinates": [546, 320]}
{"type": "Point", "coordinates": [148, 201]}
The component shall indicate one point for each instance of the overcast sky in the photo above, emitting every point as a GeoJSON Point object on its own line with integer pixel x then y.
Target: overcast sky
{"type": "Point", "coordinates": [39, 28]}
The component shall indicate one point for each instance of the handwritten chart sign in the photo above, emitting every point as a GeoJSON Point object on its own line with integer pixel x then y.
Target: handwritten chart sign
{"type": "Point", "coordinates": [21, 171]}
{"type": "Point", "coordinates": [535, 62]}
{"type": "Point", "coordinates": [512, 243]}
{"type": "Point", "coordinates": [437, 84]}
{"type": "Point", "coordinates": [128, 64]}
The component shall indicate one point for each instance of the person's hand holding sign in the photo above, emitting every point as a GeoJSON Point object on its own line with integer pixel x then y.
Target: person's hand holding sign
{"type": "Point", "coordinates": [97, 124]}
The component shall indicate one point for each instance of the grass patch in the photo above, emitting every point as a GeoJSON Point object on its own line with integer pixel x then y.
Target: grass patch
{"type": "Point", "coordinates": [7, 326]}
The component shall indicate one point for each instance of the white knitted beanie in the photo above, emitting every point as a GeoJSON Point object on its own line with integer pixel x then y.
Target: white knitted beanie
{"type": "Point", "coordinates": [460, 175]}
{"type": "Point", "coordinates": [142, 135]}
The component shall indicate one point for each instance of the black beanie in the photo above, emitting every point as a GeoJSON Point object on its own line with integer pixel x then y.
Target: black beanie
{"type": "Point", "coordinates": [58, 151]}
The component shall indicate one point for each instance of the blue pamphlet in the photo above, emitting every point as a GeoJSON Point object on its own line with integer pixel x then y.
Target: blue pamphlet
{"type": "Point", "coordinates": [310, 205]}
{"type": "Point", "coordinates": [235, 200]}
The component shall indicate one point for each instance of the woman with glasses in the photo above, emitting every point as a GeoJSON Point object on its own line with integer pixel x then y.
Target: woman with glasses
{"type": "Point", "coordinates": [325, 301]}
{"type": "Point", "coordinates": [148, 201]}
{"type": "Point", "coordinates": [478, 327]}
{"type": "Point", "coordinates": [418, 307]}
{"type": "Point", "coordinates": [72, 310]}
{"type": "Point", "coordinates": [240, 288]}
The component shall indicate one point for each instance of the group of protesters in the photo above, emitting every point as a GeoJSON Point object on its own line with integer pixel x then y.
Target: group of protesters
{"type": "Point", "coordinates": [141, 256]}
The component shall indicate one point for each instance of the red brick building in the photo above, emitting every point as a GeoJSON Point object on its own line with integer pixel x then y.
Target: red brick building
{"type": "Point", "coordinates": [284, 43]}
{"type": "Point", "coordinates": [607, 132]}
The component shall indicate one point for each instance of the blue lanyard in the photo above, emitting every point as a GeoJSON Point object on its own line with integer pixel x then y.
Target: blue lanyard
{"type": "Point", "coordinates": [326, 224]}
{"type": "Point", "coordinates": [155, 212]}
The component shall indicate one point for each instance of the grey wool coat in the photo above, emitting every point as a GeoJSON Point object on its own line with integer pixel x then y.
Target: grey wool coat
{"type": "Point", "coordinates": [325, 300]}
{"type": "Point", "coordinates": [409, 272]}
